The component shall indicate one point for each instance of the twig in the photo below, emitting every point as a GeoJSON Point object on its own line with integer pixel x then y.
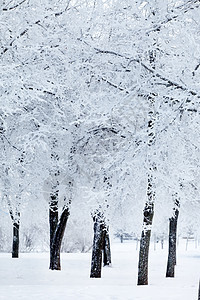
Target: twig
{"type": "Point", "coordinates": [152, 71]}
{"type": "Point", "coordinates": [15, 6]}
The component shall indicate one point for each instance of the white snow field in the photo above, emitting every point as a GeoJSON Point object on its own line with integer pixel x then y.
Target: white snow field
{"type": "Point", "coordinates": [29, 277]}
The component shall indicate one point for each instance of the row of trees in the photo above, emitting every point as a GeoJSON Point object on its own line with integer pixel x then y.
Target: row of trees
{"type": "Point", "coordinates": [103, 114]}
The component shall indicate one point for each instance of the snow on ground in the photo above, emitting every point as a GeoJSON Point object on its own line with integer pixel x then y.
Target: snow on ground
{"type": "Point", "coordinates": [28, 277]}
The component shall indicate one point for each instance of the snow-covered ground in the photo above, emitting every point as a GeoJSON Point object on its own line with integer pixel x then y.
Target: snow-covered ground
{"type": "Point", "coordinates": [28, 277]}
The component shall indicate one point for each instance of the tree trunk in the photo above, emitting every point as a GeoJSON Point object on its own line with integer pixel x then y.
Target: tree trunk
{"type": "Point", "coordinates": [15, 217]}
{"type": "Point", "coordinates": [53, 216]}
{"type": "Point", "coordinates": [57, 240]}
{"type": "Point", "coordinates": [172, 241]}
{"type": "Point", "coordinates": [144, 244]}
{"type": "Point", "coordinates": [199, 292]}
{"type": "Point", "coordinates": [15, 245]}
{"type": "Point", "coordinates": [162, 243]}
{"type": "Point", "coordinates": [53, 219]}
{"type": "Point", "coordinates": [121, 238]}
{"type": "Point", "coordinates": [149, 205]}
{"type": "Point", "coordinates": [106, 249]}
{"type": "Point", "coordinates": [96, 264]}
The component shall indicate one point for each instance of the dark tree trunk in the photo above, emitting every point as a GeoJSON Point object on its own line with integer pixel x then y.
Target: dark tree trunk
{"type": "Point", "coordinates": [199, 292]}
{"type": "Point", "coordinates": [162, 243]}
{"type": "Point", "coordinates": [106, 249]}
{"type": "Point", "coordinates": [172, 241]}
{"type": "Point", "coordinates": [53, 216]}
{"type": "Point", "coordinates": [15, 245]}
{"type": "Point", "coordinates": [99, 228]}
{"type": "Point", "coordinates": [121, 238]}
{"type": "Point", "coordinates": [144, 244]}
{"type": "Point", "coordinates": [57, 240]}
{"type": "Point", "coordinates": [53, 219]}
{"type": "Point", "coordinates": [15, 217]}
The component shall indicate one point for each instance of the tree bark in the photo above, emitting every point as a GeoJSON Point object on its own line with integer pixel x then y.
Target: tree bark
{"type": "Point", "coordinates": [53, 215]}
{"type": "Point", "coordinates": [121, 238]}
{"type": "Point", "coordinates": [106, 249]}
{"type": "Point", "coordinates": [96, 263]}
{"type": "Point", "coordinates": [15, 217]}
{"type": "Point", "coordinates": [199, 292]}
{"type": "Point", "coordinates": [53, 219]}
{"type": "Point", "coordinates": [15, 245]}
{"type": "Point", "coordinates": [57, 240]}
{"type": "Point", "coordinates": [172, 241]}
{"type": "Point", "coordinates": [144, 244]}
{"type": "Point", "coordinates": [149, 205]}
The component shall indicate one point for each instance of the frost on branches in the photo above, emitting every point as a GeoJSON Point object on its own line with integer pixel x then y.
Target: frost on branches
{"type": "Point", "coordinates": [99, 109]}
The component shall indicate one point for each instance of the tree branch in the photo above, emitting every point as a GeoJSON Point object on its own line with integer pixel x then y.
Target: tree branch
{"type": "Point", "coordinates": [195, 69]}
{"type": "Point", "coordinates": [10, 143]}
{"type": "Point", "coordinates": [39, 90]}
{"type": "Point", "coordinates": [115, 85]}
{"type": "Point", "coordinates": [152, 71]}
{"type": "Point", "coordinates": [35, 23]}
{"type": "Point", "coordinates": [184, 9]}
{"type": "Point", "coordinates": [15, 6]}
